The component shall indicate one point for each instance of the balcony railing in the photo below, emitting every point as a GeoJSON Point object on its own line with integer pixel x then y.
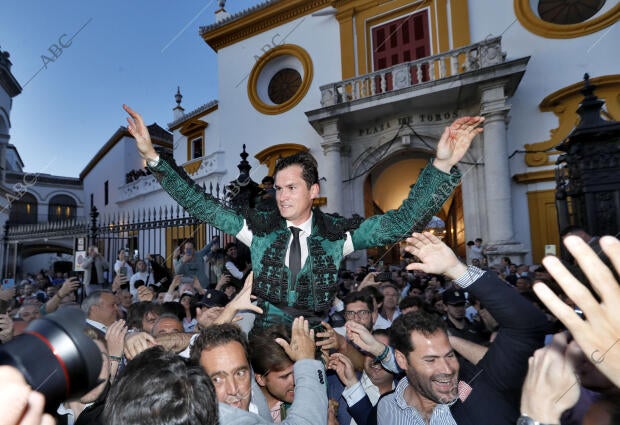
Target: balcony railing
{"type": "Point", "coordinates": [409, 74]}
{"type": "Point", "coordinates": [45, 229]}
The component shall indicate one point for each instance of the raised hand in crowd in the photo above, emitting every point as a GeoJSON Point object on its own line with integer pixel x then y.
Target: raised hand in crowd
{"type": "Point", "coordinates": [343, 367]}
{"type": "Point", "coordinates": [551, 385]}
{"type": "Point", "coordinates": [6, 328]}
{"type": "Point", "coordinates": [70, 285]}
{"type": "Point", "coordinates": [359, 335]}
{"type": "Point", "coordinates": [436, 257]}
{"type": "Point", "coordinates": [119, 280]}
{"type": "Point", "coordinates": [599, 334]}
{"type": "Point", "coordinates": [20, 404]}
{"type": "Point", "coordinates": [139, 132]}
{"type": "Point", "coordinates": [115, 341]}
{"type": "Point", "coordinates": [115, 338]}
{"type": "Point", "coordinates": [145, 293]}
{"type": "Point", "coordinates": [176, 281]}
{"type": "Point", "coordinates": [207, 316]}
{"type": "Point", "coordinates": [328, 339]}
{"type": "Point", "coordinates": [369, 280]}
{"type": "Point", "coordinates": [302, 341]}
{"type": "Point", "coordinates": [138, 342]}
{"type": "Point", "coordinates": [175, 342]}
{"type": "Point", "coordinates": [242, 301]}
{"type": "Point", "coordinates": [223, 280]}
{"type": "Point", "coordinates": [455, 142]}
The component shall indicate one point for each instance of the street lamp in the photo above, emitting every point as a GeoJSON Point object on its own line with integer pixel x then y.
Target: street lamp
{"type": "Point", "coordinates": [588, 172]}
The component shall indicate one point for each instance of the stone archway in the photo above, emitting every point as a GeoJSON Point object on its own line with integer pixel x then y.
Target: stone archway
{"type": "Point", "coordinates": [388, 183]}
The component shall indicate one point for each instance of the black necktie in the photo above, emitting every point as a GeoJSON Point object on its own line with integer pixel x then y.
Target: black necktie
{"type": "Point", "coordinates": [294, 254]}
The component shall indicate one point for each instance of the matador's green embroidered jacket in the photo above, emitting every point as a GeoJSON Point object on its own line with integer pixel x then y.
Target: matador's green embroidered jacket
{"type": "Point", "coordinates": [315, 286]}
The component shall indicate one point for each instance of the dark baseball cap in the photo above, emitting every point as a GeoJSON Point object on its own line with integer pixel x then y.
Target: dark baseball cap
{"type": "Point", "coordinates": [214, 298]}
{"type": "Point", "coordinates": [453, 297]}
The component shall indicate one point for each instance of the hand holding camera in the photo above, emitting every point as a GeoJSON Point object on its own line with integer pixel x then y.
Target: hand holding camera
{"type": "Point", "coordinates": [70, 285]}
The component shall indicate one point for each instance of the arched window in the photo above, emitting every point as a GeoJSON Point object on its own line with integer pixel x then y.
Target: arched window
{"type": "Point", "coordinates": [61, 207]}
{"type": "Point", "coordinates": [24, 210]}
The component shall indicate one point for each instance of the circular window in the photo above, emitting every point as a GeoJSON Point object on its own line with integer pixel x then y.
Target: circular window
{"type": "Point", "coordinates": [566, 18]}
{"type": "Point", "coordinates": [566, 12]}
{"type": "Point", "coordinates": [280, 79]}
{"type": "Point", "coordinates": [283, 85]}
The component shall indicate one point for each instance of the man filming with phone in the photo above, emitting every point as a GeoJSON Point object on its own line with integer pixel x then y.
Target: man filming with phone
{"type": "Point", "coordinates": [190, 263]}
{"type": "Point", "coordinates": [94, 266]}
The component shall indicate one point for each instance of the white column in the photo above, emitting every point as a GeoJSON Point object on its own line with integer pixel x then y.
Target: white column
{"type": "Point", "coordinates": [494, 109]}
{"type": "Point", "coordinates": [496, 167]}
{"type": "Point", "coordinates": [473, 190]}
{"type": "Point", "coordinates": [332, 187]}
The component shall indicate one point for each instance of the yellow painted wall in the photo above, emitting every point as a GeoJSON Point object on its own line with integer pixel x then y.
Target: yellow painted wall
{"type": "Point", "coordinates": [543, 222]}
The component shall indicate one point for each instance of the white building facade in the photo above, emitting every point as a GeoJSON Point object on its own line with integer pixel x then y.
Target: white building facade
{"type": "Point", "coordinates": [367, 88]}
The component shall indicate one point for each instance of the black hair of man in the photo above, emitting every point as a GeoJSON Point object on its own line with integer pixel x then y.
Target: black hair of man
{"type": "Point", "coordinates": [405, 324]}
{"type": "Point", "coordinates": [160, 388]}
{"type": "Point", "coordinates": [267, 179]}
{"type": "Point", "coordinates": [363, 296]}
{"type": "Point", "coordinates": [230, 245]}
{"type": "Point", "coordinates": [218, 335]}
{"type": "Point", "coordinates": [308, 164]}
{"type": "Point", "coordinates": [137, 311]}
{"type": "Point", "coordinates": [266, 354]}
{"type": "Point", "coordinates": [411, 301]}
{"type": "Point", "coordinates": [384, 332]}
{"type": "Point", "coordinates": [374, 292]}
{"type": "Point", "coordinates": [175, 308]}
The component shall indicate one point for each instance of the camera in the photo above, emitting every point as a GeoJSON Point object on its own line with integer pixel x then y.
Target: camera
{"type": "Point", "coordinates": [383, 277]}
{"type": "Point", "coordinates": [55, 356]}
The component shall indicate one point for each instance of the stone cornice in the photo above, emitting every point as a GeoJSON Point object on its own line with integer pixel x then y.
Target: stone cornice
{"type": "Point", "coordinates": [13, 177]}
{"type": "Point", "coordinates": [535, 177]}
{"type": "Point", "coordinates": [258, 19]}
{"type": "Point", "coordinates": [201, 110]}
{"type": "Point", "coordinates": [159, 137]}
{"type": "Point", "coordinates": [209, 166]}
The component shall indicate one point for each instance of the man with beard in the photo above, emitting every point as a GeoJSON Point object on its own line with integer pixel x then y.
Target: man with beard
{"type": "Point", "coordinates": [424, 352]}
{"type": "Point", "coordinates": [438, 387]}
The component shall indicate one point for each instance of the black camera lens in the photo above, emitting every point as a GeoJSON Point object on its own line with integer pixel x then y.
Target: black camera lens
{"type": "Point", "coordinates": [55, 356]}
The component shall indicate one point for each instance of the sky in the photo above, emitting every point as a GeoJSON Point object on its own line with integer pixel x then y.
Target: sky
{"type": "Point", "coordinates": [79, 61]}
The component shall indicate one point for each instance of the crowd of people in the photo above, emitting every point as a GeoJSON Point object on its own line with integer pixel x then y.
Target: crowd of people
{"type": "Point", "coordinates": [300, 340]}
{"type": "Point", "coordinates": [431, 341]}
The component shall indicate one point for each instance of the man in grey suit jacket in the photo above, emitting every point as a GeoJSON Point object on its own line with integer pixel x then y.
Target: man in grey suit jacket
{"type": "Point", "coordinates": [221, 350]}
{"type": "Point", "coordinates": [94, 265]}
